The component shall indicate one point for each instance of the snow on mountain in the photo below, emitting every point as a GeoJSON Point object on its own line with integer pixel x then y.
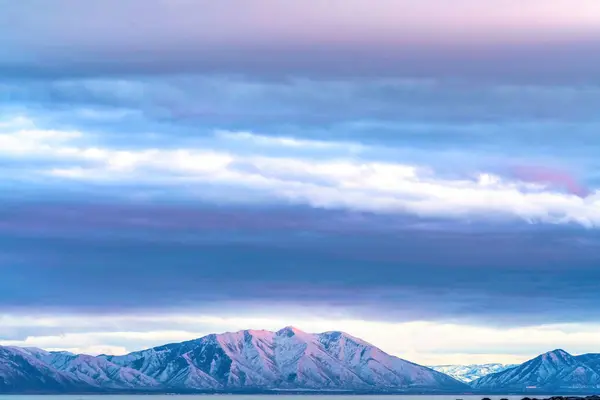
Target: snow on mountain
{"type": "Point", "coordinates": [469, 373]}
{"type": "Point", "coordinates": [592, 360]}
{"type": "Point", "coordinates": [376, 367]}
{"type": "Point", "coordinates": [286, 359]}
{"type": "Point", "coordinates": [554, 370]}
{"type": "Point", "coordinates": [289, 358]}
{"type": "Point", "coordinates": [97, 371]}
{"type": "Point", "coordinates": [20, 371]}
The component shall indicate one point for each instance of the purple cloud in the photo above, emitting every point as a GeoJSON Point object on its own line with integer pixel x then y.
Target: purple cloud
{"type": "Point", "coordinates": [270, 38]}
{"type": "Point", "coordinates": [550, 176]}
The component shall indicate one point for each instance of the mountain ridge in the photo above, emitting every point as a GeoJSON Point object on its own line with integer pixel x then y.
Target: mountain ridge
{"type": "Point", "coordinates": [553, 370]}
{"type": "Point", "coordinates": [471, 372]}
{"type": "Point", "coordinates": [288, 359]}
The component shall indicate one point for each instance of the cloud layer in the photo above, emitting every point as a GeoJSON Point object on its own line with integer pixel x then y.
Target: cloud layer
{"type": "Point", "coordinates": [343, 181]}
{"type": "Point", "coordinates": [417, 199]}
{"type": "Point", "coordinates": [538, 40]}
{"type": "Point", "coordinates": [406, 168]}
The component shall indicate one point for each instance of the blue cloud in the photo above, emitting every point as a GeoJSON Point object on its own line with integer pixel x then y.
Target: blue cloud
{"type": "Point", "coordinates": [267, 138]}
{"type": "Point", "coordinates": [116, 258]}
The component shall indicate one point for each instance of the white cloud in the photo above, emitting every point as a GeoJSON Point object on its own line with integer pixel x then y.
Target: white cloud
{"type": "Point", "coordinates": [425, 342]}
{"type": "Point", "coordinates": [348, 182]}
{"type": "Point", "coordinates": [20, 137]}
{"type": "Point", "coordinates": [282, 141]}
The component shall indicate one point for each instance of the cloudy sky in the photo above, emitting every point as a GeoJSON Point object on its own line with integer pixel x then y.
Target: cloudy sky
{"type": "Point", "coordinates": [422, 176]}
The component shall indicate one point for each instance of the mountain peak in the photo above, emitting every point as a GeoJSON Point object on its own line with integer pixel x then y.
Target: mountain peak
{"type": "Point", "coordinates": [558, 352]}
{"type": "Point", "coordinates": [557, 355]}
{"type": "Point", "coordinates": [290, 331]}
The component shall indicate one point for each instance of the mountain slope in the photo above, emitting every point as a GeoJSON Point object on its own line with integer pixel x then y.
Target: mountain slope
{"type": "Point", "coordinates": [376, 367]}
{"type": "Point", "coordinates": [289, 358]}
{"type": "Point", "coordinates": [469, 373]}
{"type": "Point", "coordinates": [96, 371]}
{"type": "Point", "coordinates": [592, 360]}
{"type": "Point", "coordinates": [21, 372]}
{"type": "Point", "coordinates": [550, 371]}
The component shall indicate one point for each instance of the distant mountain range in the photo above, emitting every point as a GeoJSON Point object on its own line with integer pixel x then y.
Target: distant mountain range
{"type": "Point", "coordinates": [286, 360]}
{"type": "Point", "coordinates": [469, 373]}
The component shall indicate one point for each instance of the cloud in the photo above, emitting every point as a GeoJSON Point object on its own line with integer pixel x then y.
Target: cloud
{"type": "Point", "coordinates": [209, 163]}
{"type": "Point", "coordinates": [459, 129]}
{"type": "Point", "coordinates": [223, 260]}
{"type": "Point", "coordinates": [343, 183]}
{"type": "Point", "coordinates": [426, 342]}
{"type": "Point", "coordinates": [19, 136]}
{"type": "Point", "coordinates": [549, 176]}
{"type": "Point", "coordinates": [253, 223]}
{"type": "Point", "coordinates": [404, 101]}
{"type": "Point", "coordinates": [272, 40]}
{"type": "Point", "coordinates": [274, 141]}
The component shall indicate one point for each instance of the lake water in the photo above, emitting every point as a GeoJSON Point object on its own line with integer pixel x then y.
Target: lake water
{"type": "Point", "coordinates": [256, 397]}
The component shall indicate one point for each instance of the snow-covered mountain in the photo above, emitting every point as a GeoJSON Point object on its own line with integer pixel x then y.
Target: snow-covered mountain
{"type": "Point", "coordinates": [94, 371]}
{"type": "Point", "coordinates": [469, 373]}
{"type": "Point", "coordinates": [286, 359]}
{"type": "Point", "coordinates": [245, 360]}
{"type": "Point", "coordinates": [21, 371]}
{"type": "Point", "coordinates": [590, 359]}
{"type": "Point", "coordinates": [555, 370]}
{"type": "Point", "coordinates": [289, 358]}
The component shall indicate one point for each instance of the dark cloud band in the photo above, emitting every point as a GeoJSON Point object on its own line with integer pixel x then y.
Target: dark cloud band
{"type": "Point", "coordinates": [110, 258]}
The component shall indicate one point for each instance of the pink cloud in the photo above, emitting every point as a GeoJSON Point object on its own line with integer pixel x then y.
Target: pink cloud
{"type": "Point", "coordinates": [550, 176]}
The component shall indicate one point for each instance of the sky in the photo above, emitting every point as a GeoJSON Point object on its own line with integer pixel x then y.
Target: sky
{"type": "Point", "coordinates": [422, 176]}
